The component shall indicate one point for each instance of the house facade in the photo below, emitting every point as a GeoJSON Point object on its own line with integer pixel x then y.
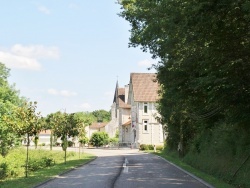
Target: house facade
{"type": "Point", "coordinates": [95, 127]}
{"type": "Point", "coordinates": [143, 95]}
{"type": "Point", "coordinates": [120, 114]}
{"type": "Point", "coordinates": [134, 111]}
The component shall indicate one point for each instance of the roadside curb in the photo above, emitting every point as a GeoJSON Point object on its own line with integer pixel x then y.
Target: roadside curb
{"type": "Point", "coordinates": [188, 173]}
{"type": "Point", "coordinates": [50, 179]}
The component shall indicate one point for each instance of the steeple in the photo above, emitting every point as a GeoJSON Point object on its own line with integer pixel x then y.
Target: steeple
{"type": "Point", "coordinates": [116, 92]}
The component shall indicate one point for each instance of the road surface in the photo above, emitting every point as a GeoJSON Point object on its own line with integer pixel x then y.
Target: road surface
{"type": "Point", "coordinates": [124, 168]}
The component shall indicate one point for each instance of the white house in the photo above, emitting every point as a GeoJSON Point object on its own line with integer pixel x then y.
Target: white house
{"type": "Point", "coordinates": [134, 111]}
{"type": "Point", "coordinates": [95, 127]}
{"type": "Point", "coordinates": [143, 94]}
{"type": "Point", "coordinates": [120, 115]}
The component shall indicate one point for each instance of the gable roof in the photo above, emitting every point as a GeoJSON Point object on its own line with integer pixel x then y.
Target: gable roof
{"type": "Point", "coordinates": [144, 86]}
{"type": "Point", "coordinates": [121, 98]}
{"type": "Point", "coordinates": [97, 125]}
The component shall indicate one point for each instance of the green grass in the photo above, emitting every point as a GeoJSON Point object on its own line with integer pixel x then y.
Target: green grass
{"type": "Point", "coordinates": [173, 158]}
{"type": "Point", "coordinates": [37, 177]}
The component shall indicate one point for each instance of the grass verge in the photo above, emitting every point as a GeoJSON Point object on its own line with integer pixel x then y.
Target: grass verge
{"type": "Point", "coordinates": [45, 174]}
{"type": "Point", "coordinates": [173, 158]}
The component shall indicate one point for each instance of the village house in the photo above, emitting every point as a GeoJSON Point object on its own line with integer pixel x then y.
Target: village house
{"type": "Point", "coordinates": [95, 127]}
{"type": "Point", "coordinates": [120, 114]}
{"type": "Point", "coordinates": [134, 111]}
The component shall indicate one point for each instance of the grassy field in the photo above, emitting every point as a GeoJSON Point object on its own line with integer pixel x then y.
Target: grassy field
{"type": "Point", "coordinates": [173, 158]}
{"type": "Point", "coordinates": [41, 175]}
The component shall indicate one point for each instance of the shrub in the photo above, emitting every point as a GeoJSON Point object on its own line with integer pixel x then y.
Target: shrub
{"type": "Point", "coordinates": [143, 147]}
{"type": "Point", "coordinates": [99, 139]}
{"type": "Point", "coordinates": [48, 161]}
{"type": "Point", "coordinates": [150, 147]}
{"type": "Point", "coordinates": [3, 170]}
{"type": "Point", "coordinates": [114, 140]}
{"type": "Point", "coordinates": [159, 147]}
{"type": "Point", "coordinates": [35, 164]}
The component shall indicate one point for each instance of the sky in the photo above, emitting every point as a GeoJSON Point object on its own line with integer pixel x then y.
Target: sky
{"type": "Point", "coordinates": [68, 54]}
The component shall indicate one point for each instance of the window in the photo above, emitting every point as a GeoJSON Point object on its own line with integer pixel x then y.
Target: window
{"type": "Point", "coordinates": [145, 107]}
{"type": "Point", "coordinates": [145, 125]}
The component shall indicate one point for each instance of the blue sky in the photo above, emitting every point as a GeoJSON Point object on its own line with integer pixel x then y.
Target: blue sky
{"type": "Point", "coordinates": [68, 54]}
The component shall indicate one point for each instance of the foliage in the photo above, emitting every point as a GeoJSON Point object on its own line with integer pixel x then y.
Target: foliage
{"type": "Point", "coordinates": [45, 174]}
{"type": "Point", "coordinates": [9, 99]}
{"type": "Point", "coordinates": [12, 165]}
{"type": "Point", "coordinates": [149, 147]}
{"type": "Point", "coordinates": [99, 139]}
{"type": "Point", "coordinates": [70, 143]}
{"type": "Point", "coordinates": [114, 140]}
{"type": "Point", "coordinates": [102, 115]}
{"type": "Point", "coordinates": [82, 120]}
{"type": "Point", "coordinates": [203, 71]}
{"type": "Point", "coordinates": [24, 121]}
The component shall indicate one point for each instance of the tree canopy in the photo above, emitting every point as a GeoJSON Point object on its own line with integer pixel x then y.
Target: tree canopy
{"type": "Point", "coordinates": [203, 70]}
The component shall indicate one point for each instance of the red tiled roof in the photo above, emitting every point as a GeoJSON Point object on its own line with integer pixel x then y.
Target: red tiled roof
{"type": "Point", "coordinates": [97, 125]}
{"type": "Point", "coordinates": [145, 87]}
{"type": "Point", "coordinates": [45, 132]}
{"type": "Point", "coordinates": [121, 98]}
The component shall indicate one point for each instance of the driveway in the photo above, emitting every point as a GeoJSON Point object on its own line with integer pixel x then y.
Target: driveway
{"type": "Point", "coordinates": [124, 168]}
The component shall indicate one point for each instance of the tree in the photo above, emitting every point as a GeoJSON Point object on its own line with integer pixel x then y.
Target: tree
{"type": "Point", "coordinates": [204, 64]}
{"type": "Point", "coordinates": [102, 115]}
{"type": "Point", "coordinates": [99, 139]}
{"type": "Point", "coordinates": [9, 99]}
{"type": "Point", "coordinates": [65, 127]}
{"type": "Point", "coordinates": [24, 122]}
{"type": "Point", "coordinates": [82, 120]}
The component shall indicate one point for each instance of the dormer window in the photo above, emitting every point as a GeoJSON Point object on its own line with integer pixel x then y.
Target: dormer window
{"type": "Point", "coordinates": [145, 107]}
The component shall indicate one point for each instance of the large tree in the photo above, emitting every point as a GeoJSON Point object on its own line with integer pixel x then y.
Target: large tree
{"type": "Point", "coordinates": [204, 64]}
{"type": "Point", "coordinates": [9, 99]}
{"type": "Point", "coordinates": [102, 115]}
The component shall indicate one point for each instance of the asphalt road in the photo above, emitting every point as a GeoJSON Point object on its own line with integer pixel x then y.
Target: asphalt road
{"type": "Point", "coordinates": [124, 169]}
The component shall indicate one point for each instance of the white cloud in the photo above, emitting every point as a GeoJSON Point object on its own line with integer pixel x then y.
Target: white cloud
{"type": "Point", "coordinates": [145, 63]}
{"type": "Point", "coordinates": [53, 91]}
{"type": "Point", "coordinates": [64, 93]}
{"type": "Point", "coordinates": [20, 62]}
{"type": "Point", "coordinates": [36, 51]}
{"type": "Point", "coordinates": [44, 9]}
{"type": "Point", "coordinates": [85, 106]}
{"type": "Point", "coordinates": [26, 57]}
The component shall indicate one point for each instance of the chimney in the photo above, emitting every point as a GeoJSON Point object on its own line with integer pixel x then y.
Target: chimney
{"type": "Point", "coordinates": [126, 93]}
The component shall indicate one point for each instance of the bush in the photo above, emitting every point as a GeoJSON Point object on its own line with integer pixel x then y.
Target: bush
{"type": "Point", "coordinates": [99, 139]}
{"type": "Point", "coordinates": [159, 147]}
{"type": "Point", "coordinates": [3, 170]}
{"type": "Point", "coordinates": [13, 165]}
{"type": "Point", "coordinates": [48, 161]}
{"type": "Point", "coordinates": [150, 147]}
{"type": "Point", "coordinates": [35, 164]}
{"type": "Point", "coordinates": [144, 147]}
{"type": "Point", "coordinates": [114, 140]}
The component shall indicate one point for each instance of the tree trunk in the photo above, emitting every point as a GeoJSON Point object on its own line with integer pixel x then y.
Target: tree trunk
{"type": "Point", "coordinates": [27, 156]}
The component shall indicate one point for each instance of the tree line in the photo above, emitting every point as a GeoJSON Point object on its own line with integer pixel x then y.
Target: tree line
{"type": "Point", "coordinates": [20, 122]}
{"type": "Point", "coordinates": [203, 72]}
